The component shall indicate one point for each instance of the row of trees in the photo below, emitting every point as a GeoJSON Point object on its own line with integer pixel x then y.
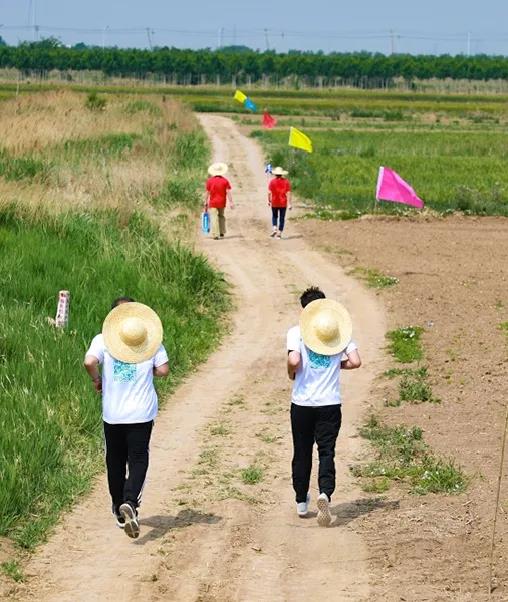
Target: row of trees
{"type": "Point", "coordinates": [207, 66]}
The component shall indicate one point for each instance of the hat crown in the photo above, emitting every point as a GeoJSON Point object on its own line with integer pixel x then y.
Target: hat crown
{"type": "Point", "coordinates": [326, 326]}
{"type": "Point", "coordinates": [133, 332]}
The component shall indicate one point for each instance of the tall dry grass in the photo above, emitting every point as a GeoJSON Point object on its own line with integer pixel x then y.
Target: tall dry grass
{"type": "Point", "coordinates": [116, 158]}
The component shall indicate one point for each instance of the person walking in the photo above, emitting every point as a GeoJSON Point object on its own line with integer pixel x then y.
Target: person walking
{"type": "Point", "coordinates": [318, 349]}
{"type": "Point", "coordinates": [218, 193]}
{"type": "Point", "coordinates": [131, 353]}
{"type": "Point", "coordinates": [279, 199]}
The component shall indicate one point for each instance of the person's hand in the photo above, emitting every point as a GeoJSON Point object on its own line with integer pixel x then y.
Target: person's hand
{"type": "Point", "coordinates": [232, 206]}
{"type": "Point", "coordinates": [290, 207]}
{"type": "Point", "coordinates": [97, 383]}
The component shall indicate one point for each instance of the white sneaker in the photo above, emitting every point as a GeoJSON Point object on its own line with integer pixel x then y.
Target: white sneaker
{"type": "Point", "coordinates": [324, 517]}
{"type": "Point", "coordinates": [130, 516]}
{"type": "Point", "coordinates": [302, 508]}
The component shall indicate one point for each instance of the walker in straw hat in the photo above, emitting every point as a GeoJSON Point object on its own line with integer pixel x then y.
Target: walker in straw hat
{"type": "Point", "coordinates": [326, 326]}
{"type": "Point", "coordinates": [132, 332]}
{"type": "Point", "coordinates": [218, 169]}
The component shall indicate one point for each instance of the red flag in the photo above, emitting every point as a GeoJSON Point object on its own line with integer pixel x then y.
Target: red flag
{"type": "Point", "coordinates": [268, 121]}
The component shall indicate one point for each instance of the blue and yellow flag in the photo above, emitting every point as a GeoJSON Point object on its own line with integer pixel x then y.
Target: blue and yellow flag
{"type": "Point", "coordinates": [299, 140]}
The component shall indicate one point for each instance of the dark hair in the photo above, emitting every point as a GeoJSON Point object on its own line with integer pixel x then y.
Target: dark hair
{"type": "Point", "coordinates": [311, 294]}
{"type": "Point", "coordinates": [121, 300]}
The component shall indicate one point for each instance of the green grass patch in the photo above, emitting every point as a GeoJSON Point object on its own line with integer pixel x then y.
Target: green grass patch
{"type": "Point", "coordinates": [415, 389]}
{"type": "Point", "coordinates": [12, 569]}
{"type": "Point", "coordinates": [108, 145]}
{"type": "Point", "coordinates": [251, 475]}
{"type": "Point", "coordinates": [50, 425]}
{"type": "Point", "coordinates": [403, 456]}
{"type": "Point", "coordinates": [22, 168]}
{"type": "Point", "coordinates": [375, 278]}
{"type": "Point", "coordinates": [405, 344]}
{"type": "Point", "coordinates": [141, 105]}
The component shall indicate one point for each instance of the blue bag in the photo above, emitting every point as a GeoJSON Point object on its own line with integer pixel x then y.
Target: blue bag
{"type": "Point", "coordinates": [205, 222]}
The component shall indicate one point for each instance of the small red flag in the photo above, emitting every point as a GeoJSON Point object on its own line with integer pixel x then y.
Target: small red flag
{"type": "Point", "coordinates": [268, 121]}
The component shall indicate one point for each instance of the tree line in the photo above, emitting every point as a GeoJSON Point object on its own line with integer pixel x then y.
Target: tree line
{"type": "Point", "coordinates": [248, 66]}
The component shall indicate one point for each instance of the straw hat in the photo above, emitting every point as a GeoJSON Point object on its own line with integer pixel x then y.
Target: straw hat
{"type": "Point", "coordinates": [326, 326]}
{"type": "Point", "coordinates": [218, 169]}
{"type": "Point", "coordinates": [278, 171]}
{"type": "Point", "coordinates": [132, 332]}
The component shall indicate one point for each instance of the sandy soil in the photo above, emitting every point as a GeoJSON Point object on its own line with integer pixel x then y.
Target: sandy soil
{"type": "Point", "coordinates": [206, 535]}
{"type": "Point", "coordinates": [453, 276]}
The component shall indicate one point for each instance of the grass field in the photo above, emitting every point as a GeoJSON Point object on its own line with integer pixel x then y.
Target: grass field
{"type": "Point", "coordinates": [450, 170]}
{"type": "Point", "coordinates": [80, 210]}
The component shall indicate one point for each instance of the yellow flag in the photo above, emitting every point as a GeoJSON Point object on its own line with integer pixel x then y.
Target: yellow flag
{"type": "Point", "coordinates": [299, 140]}
{"type": "Point", "coordinates": [240, 96]}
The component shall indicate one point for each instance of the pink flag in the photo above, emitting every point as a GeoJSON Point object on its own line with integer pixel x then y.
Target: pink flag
{"type": "Point", "coordinates": [268, 121]}
{"type": "Point", "coordinates": [391, 187]}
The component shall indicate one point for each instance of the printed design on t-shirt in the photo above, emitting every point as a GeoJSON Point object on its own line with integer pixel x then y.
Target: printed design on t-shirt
{"type": "Point", "coordinates": [319, 361]}
{"type": "Point", "coordinates": [123, 373]}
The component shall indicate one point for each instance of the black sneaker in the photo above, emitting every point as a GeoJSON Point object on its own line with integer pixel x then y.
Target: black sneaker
{"type": "Point", "coordinates": [130, 517]}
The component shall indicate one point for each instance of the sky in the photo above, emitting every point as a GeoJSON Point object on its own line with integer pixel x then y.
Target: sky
{"type": "Point", "coordinates": [429, 26]}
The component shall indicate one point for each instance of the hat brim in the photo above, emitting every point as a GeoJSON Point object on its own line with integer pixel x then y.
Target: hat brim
{"type": "Point", "coordinates": [218, 169]}
{"type": "Point", "coordinates": [114, 343]}
{"type": "Point", "coordinates": [278, 171]}
{"type": "Point", "coordinates": [307, 329]}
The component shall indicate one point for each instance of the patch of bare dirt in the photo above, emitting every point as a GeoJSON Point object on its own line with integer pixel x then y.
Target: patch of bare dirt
{"type": "Point", "coordinates": [453, 276]}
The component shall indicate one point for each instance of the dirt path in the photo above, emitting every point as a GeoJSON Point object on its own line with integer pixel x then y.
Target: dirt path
{"type": "Point", "coordinates": [203, 538]}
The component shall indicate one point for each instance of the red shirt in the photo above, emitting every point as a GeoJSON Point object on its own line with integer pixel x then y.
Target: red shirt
{"type": "Point", "coordinates": [279, 187]}
{"type": "Point", "coordinates": [217, 187]}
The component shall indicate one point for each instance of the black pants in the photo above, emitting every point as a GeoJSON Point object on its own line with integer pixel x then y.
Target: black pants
{"type": "Point", "coordinates": [127, 446]}
{"type": "Point", "coordinates": [322, 425]}
{"type": "Point", "coordinates": [278, 215]}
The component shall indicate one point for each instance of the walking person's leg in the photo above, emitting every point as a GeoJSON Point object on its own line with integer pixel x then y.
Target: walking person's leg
{"type": "Point", "coordinates": [302, 428]}
{"type": "Point", "coordinates": [282, 218]}
{"type": "Point", "coordinates": [222, 221]}
{"type": "Point", "coordinates": [116, 461]}
{"type": "Point", "coordinates": [274, 221]}
{"type": "Point", "coordinates": [214, 222]}
{"type": "Point", "coordinates": [328, 421]}
{"type": "Point", "coordinates": [138, 442]}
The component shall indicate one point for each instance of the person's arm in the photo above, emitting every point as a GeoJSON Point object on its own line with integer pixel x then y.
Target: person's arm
{"type": "Point", "coordinates": [162, 370]}
{"type": "Point", "coordinates": [288, 195]}
{"type": "Point", "coordinates": [353, 361]}
{"type": "Point", "coordinates": [230, 199]}
{"type": "Point", "coordinates": [269, 198]}
{"type": "Point", "coordinates": [91, 364]}
{"type": "Point", "coordinates": [294, 359]}
{"type": "Point", "coordinates": [206, 199]}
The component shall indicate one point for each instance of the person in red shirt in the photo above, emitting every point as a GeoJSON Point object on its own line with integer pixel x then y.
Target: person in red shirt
{"type": "Point", "coordinates": [279, 199]}
{"type": "Point", "coordinates": [218, 193]}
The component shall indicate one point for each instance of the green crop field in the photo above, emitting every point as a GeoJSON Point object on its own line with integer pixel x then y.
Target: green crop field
{"type": "Point", "coordinates": [81, 209]}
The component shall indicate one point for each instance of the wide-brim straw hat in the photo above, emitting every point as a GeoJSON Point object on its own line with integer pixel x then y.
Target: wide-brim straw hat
{"type": "Point", "coordinates": [218, 169]}
{"type": "Point", "coordinates": [132, 332]}
{"type": "Point", "coordinates": [278, 171]}
{"type": "Point", "coordinates": [326, 326]}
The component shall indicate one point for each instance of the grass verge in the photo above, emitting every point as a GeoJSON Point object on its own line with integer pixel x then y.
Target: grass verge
{"type": "Point", "coordinates": [405, 344]}
{"type": "Point", "coordinates": [403, 456]}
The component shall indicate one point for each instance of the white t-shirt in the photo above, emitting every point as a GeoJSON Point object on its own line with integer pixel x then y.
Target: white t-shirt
{"type": "Point", "coordinates": [128, 394]}
{"type": "Point", "coordinates": [317, 380]}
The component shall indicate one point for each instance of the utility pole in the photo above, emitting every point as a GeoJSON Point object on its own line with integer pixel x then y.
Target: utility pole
{"type": "Point", "coordinates": [392, 42]}
{"type": "Point", "coordinates": [219, 38]}
{"type": "Point", "coordinates": [104, 30]}
{"type": "Point", "coordinates": [266, 39]}
{"type": "Point", "coordinates": [468, 43]}
{"type": "Point", "coordinates": [149, 36]}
